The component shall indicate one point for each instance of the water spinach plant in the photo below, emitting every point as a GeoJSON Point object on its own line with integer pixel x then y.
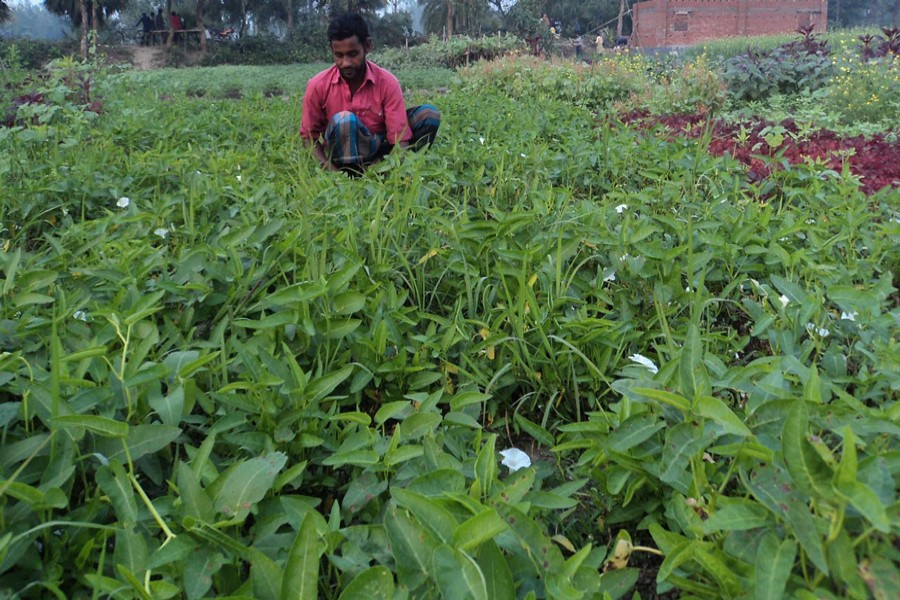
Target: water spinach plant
{"type": "Point", "coordinates": [225, 373]}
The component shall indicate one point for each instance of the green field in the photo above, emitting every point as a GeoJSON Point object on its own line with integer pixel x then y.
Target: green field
{"type": "Point", "coordinates": [227, 373]}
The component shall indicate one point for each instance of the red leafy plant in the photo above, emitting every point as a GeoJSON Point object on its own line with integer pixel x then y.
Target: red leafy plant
{"type": "Point", "coordinates": [874, 159]}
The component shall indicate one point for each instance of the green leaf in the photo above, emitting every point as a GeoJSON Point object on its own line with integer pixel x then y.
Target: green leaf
{"type": "Point", "coordinates": [170, 407]}
{"type": "Point", "coordinates": [194, 498]}
{"type": "Point", "coordinates": [428, 512]}
{"type": "Point", "coordinates": [710, 407]}
{"type": "Point", "coordinates": [458, 576]}
{"type": "Point", "coordinates": [497, 574]}
{"type": "Point", "coordinates": [679, 555]}
{"type": "Point", "coordinates": [541, 435]}
{"type": "Point", "coordinates": [682, 442]}
{"type": "Point", "coordinates": [114, 482]}
{"type": "Point", "coordinates": [866, 501]}
{"type": "Point", "coordinates": [772, 486]}
{"type": "Point", "coordinates": [774, 563]}
{"type": "Point", "coordinates": [619, 582]}
{"type": "Point", "coordinates": [412, 546]}
{"type": "Point", "coordinates": [102, 426]}
{"type": "Point", "coordinates": [692, 371]}
{"type": "Point", "coordinates": [486, 464]}
{"type": "Point", "coordinates": [375, 583]}
{"type": "Point", "coordinates": [464, 399]}
{"type": "Point", "coordinates": [131, 551]}
{"type": "Point", "coordinates": [806, 467]}
{"type": "Point", "coordinates": [199, 570]}
{"type": "Point", "coordinates": [665, 397]}
{"type": "Point", "coordinates": [479, 529]}
{"type": "Point", "coordinates": [737, 514]}
{"type": "Point", "coordinates": [537, 546]}
{"type": "Point", "coordinates": [635, 430]}
{"type": "Point", "coordinates": [248, 483]}
{"type": "Point", "coordinates": [348, 303]}
{"type": "Point", "coordinates": [141, 441]}
{"type": "Point", "coordinates": [321, 387]}
{"type": "Point", "coordinates": [301, 572]}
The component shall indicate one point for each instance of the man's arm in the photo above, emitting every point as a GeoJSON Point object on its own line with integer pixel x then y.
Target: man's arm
{"type": "Point", "coordinates": [319, 152]}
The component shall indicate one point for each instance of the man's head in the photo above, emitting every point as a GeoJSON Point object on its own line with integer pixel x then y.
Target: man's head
{"type": "Point", "coordinates": [348, 36]}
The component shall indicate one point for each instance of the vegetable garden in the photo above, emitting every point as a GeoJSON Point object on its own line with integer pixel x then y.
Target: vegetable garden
{"type": "Point", "coordinates": [226, 373]}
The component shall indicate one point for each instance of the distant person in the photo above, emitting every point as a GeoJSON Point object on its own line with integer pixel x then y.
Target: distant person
{"type": "Point", "coordinates": [598, 42]}
{"type": "Point", "coordinates": [176, 24]}
{"type": "Point", "coordinates": [579, 46]}
{"type": "Point", "coordinates": [621, 42]}
{"type": "Point", "coordinates": [159, 23]}
{"type": "Point", "coordinates": [146, 24]}
{"type": "Point", "coordinates": [354, 113]}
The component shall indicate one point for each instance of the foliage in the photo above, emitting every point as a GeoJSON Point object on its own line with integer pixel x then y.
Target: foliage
{"type": "Point", "coordinates": [34, 54]}
{"type": "Point", "coordinates": [224, 372]}
{"type": "Point", "coordinates": [866, 92]}
{"type": "Point", "coordinates": [456, 52]}
{"type": "Point", "coordinates": [797, 66]}
{"type": "Point", "coordinates": [692, 86]}
{"type": "Point", "coordinates": [595, 87]}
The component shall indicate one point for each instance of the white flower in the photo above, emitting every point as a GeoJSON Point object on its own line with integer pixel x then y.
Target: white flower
{"type": "Point", "coordinates": [123, 202]}
{"type": "Point", "coordinates": [481, 139]}
{"type": "Point", "coordinates": [849, 316]}
{"type": "Point", "coordinates": [610, 277]}
{"type": "Point", "coordinates": [515, 459]}
{"type": "Point", "coordinates": [784, 300]}
{"type": "Point", "coordinates": [621, 208]}
{"type": "Point", "coordinates": [811, 327]}
{"type": "Point", "coordinates": [161, 232]}
{"type": "Point", "coordinates": [624, 257]}
{"type": "Point", "coordinates": [522, 154]}
{"type": "Point", "coordinates": [238, 177]}
{"type": "Point", "coordinates": [81, 316]}
{"type": "Point", "coordinates": [644, 361]}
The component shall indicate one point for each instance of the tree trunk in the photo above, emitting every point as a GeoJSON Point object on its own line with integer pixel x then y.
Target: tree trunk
{"type": "Point", "coordinates": [621, 18]}
{"type": "Point", "coordinates": [95, 27]}
{"type": "Point", "coordinates": [449, 19]}
{"type": "Point", "coordinates": [83, 45]}
{"type": "Point", "coordinates": [200, 26]}
{"type": "Point", "coordinates": [243, 18]}
{"type": "Point", "coordinates": [289, 9]}
{"type": "Point", "coordinates": [896, 14]}
{"type": "Point", "coordinates": [171, 37]}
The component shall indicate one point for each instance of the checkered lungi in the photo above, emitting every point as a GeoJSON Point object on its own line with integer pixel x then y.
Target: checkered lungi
{"type": "Point", "coordinates": [350, 143]}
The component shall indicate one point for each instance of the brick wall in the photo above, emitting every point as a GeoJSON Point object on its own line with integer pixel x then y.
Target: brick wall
{"type": "Point", "coordinates": [663, 23]}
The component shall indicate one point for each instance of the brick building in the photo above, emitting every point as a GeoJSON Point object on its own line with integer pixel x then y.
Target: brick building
{"type": "Point", "coordinates": [667, 23]}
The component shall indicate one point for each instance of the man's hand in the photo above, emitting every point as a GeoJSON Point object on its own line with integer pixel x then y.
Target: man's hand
{"type": "Point", "coordinates": [319, 152]}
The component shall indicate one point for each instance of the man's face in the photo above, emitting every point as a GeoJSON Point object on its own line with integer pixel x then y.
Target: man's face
{"type": "Point", "coordinates": [350, 58]}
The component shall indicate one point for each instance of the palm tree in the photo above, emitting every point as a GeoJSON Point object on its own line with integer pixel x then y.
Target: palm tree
{"type": "Point", "coordinates": [4, 12]}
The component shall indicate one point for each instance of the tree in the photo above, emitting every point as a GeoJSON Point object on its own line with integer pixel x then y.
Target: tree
{"type": "Point", "coordinates": [4, 12]}
{"type": "Point", "coordinates": [455, 16]}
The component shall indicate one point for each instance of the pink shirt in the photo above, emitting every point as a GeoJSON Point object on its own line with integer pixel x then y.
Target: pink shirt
{"type": "Point", "coordinates": [378, 103]}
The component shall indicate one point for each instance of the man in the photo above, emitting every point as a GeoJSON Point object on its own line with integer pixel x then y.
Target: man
{"type": "Point", "coordinates": [354, 112]}
{"type": "Point", "coordinates": [146, 24]}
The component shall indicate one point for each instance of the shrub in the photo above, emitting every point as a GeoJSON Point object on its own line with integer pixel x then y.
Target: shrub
{"type": "Point", "coordinates": [694, 86]}
{"type": "Point", "coordinates": [789, 69]}
{"type": "Point", "coordinates": [595, 86]}
{"type": "Point", "coordinates": [34, 54]}
{"type": "Point", "coordinates": [866, 92]}
{"type": "Point", "coordinates": [458, 51]}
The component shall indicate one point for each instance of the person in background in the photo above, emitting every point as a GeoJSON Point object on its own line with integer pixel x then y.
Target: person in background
{"type": "Point", "coordinates": [146, 24]}
{"type": "Point", "coordinates": [354, 112]}
{"type": "Point", "coordinates": [599, 44]}
{"type": "Point", "coordinates": [159, 24]}
{"type": "Point", "coordinates": [176, 25]}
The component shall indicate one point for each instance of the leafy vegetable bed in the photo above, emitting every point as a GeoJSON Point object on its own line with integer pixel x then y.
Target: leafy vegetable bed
{"type": "Point", "coordinates": [226, 373]}
{"type": "Point", "coordinates": [874, 159]}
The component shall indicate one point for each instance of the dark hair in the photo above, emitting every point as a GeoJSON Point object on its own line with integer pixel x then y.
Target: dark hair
{"type": "Point", "coordinates": [347, 25]}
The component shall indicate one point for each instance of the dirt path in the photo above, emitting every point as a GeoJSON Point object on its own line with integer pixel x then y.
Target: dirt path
{"type": "Point", "coordinates": [145, 58]}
